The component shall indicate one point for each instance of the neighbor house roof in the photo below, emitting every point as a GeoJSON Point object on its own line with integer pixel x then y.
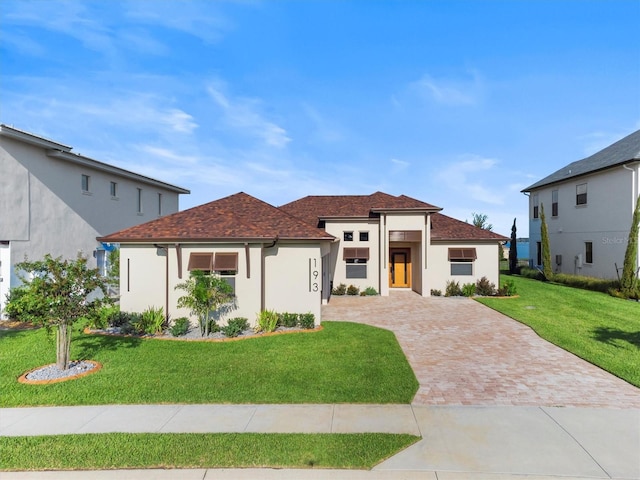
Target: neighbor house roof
{"type": "Point", "coordinates": [314, 208]}
{"type": "Point", "coordinates": [236, 217]}
{"type": "Point", "coordinates": [63, 152]}
{"type": "Point", "coordinates": [626, 150]}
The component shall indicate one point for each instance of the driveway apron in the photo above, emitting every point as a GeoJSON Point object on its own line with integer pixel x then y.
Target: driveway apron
{"type": "Point", "coordinates": [464, 353]}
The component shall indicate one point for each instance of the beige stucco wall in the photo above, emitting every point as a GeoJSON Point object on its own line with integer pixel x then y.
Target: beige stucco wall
{"type": "Point", "coordinates": [293, 278]}
{"type": "Point", "coordinates": [338, 265]}
{"type": "Point", "coordinates": [605, 221]}
{"type": "Point", "coordinates": [287, 276]}
{"type": "Point", "coordinates": [439, 271]}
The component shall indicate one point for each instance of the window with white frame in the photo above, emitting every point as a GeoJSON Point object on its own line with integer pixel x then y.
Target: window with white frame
{"type": "Point", "coordinates": [364, 236]}
{"type": "Point", "coordinates": [554, 203]}
{"type": "Point", "coordinates": [159, 204]}
{"type": "Point", "coordinates": [534, 200]}
{"type": "Point", "coordinates": [139, 200]}
{"type": "Point", "coordinates": [581, 194]}
{"type": "Point", "coordinates": [113, 189]}
{"type": "Point", "coordinates": [588, 252]}
{"type": "Point", "coordinates": [347, 236]}
{"type": "Point", "coordinates": [85, 183]}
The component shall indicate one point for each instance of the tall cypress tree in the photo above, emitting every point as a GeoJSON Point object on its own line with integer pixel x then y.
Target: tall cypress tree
{"type": "Point", "coordinates": [629, 270]}
{"type": "Point", "coordinates": [513, 251]}
{"type": "Point", "coordinates": [546, 252]}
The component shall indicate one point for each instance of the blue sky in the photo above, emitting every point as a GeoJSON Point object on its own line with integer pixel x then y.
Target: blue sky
{"type": "Point", "coordinates": [458, 103]}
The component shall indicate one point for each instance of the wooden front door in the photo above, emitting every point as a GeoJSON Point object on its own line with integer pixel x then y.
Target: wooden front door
{"type": "Point", "coordinates": [400, 267]}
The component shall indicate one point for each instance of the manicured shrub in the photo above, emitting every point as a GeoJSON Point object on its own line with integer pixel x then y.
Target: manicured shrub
{"type": "Point", "coordinates": [468, 289]}
{"type": "Point", "coordinates": [532, 273]}
{"type": "Point", "coordinates": [484, 287]}
{"type": "Point", "coordinates": [452, 289]}
{"type": "Point", "coordinates": [267, 321]}
{"type": "Point", "coordinates": [339, 290]}
{"type": "Point", "coordinates": [288, 320]}
{"type": "Point", "coordinates": [586, 283]}
{"type": "Point", "coordinates": [235, 327]}
{"type": "Point", "coordinates": [508, 289]}
{"type": "Point", "coordinates": [180, 326]}
{"type": "Point", "coordinates": [307, 320]}
{"type": "Point", "coordinates": [103, 317]}
{"type": "Point", "coordinates": [353, 290]}
{"type": "Point", "coordinates": [17, 303]}
{"type": "Point", "coordinates": [369, 291]}
{"type": "Point", "coordinates": [150, 322]}
{"type": "Point", "coordinates": [436, 293]}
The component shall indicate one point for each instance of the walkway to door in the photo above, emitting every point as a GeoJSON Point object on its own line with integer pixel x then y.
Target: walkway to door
{"type": "Point", "coordinates": [464, 353]}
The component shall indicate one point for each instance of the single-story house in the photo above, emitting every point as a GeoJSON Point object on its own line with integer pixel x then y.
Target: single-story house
{"type": "Point", "coordinates": [288, 258]}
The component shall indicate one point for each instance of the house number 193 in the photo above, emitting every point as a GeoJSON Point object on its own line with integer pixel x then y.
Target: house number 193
{"type": "Point", "coordinates": [314, 275]}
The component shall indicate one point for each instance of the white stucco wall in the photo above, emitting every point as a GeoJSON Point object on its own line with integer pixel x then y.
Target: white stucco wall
{"type": "Point", "coordinates": [605, 221]}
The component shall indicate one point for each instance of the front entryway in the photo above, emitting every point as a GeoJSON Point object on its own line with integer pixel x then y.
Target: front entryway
{"type": "Point", "coordinates": [400, 268]}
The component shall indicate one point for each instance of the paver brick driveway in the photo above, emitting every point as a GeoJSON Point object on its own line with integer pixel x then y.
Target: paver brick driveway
{"type": "Point", "coordinates": [464, 353]}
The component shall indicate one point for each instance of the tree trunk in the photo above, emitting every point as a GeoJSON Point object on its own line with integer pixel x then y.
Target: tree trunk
{"type": "Point", "coordinates": [63, 347]}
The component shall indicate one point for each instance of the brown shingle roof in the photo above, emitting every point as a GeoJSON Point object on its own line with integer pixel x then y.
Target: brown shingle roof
{"type": "Point", "coordinates": [315, 207]}
{"type": "Point", "coordinates": [236, 217]}
{"type": "Point", "coordinates": [447, 228]}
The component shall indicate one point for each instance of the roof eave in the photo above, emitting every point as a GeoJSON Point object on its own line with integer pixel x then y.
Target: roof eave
{"type": "Point", "coordinates": [159, 240]}
{"type": "Point", "coordinates": [90, 162]}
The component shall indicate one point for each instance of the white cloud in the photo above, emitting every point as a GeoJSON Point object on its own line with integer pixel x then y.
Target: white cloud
{"type": "Point", "coordinates": [465, 177]}
{"type": "Point", "coordinates": [243, 115]}
{"type": "Point", "coordinates": [199, 19]}
{"type": "Point", "coordinates": [179, 121]}
{"type": "Point", "coordinates": [400, 163]}
{"type": "Point", "coordinates": [325, 130]}
{"type": "Point", "coordinates": [459, 92]}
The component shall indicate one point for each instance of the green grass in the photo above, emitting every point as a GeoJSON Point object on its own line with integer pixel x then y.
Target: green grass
{"type": "Point", "coordinates": [190, 450]}
{"type": "Point", "coordinates": [594, 326]}
{"type": "Point", "coordinates": [344, 363]}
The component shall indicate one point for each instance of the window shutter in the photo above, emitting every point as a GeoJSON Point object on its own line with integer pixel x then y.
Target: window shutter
{"type": "Point", "coordinates": [462, 254]}
{"type": "Point", "coordinates": [351, 253]}
{"type": "Point", "coordinates": [225, 262]}
{"type": "Point", "coordinates": [200, 261]}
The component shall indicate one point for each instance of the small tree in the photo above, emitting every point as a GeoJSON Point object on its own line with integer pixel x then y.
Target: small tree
{"type": "Point", "coordinates": [480, 220]}
{"type": "Point", "coordinates": [513, 251]}
{"type": "Point", "coordinates": [629, 278]}
{"type": "Point", "coordinates": [58, 293]}
{"type": "Point", "coordinates": [546, 252]}
{"type": "Point", "coordinates": [205, 294]}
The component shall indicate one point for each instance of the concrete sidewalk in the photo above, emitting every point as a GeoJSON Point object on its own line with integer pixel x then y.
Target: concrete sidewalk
{"type": "Point", "coordinates": [458, 442]}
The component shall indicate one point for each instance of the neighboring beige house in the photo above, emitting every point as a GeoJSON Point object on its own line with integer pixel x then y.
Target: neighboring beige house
{"type": "Point", "coordinates": [54, 201]}
{"type": "Point", "coordinates": [287, 259]}
{"type": "Point", "coordinates": [588, 207]}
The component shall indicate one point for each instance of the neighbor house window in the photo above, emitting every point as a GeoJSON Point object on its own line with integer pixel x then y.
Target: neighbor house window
{"type": "Point", "coordinates": [139, 200]}
{"type": "Point", "coordinates": [554, 203]}
{"type": "Point", "coordinates": [348, 236]}
{"type": "Point", "coordinates": [535, 205]}
{"type": "Point", "coordinates": [538, 253]}
{"type": "Point", "coordinates": [588, 252]}
{"type": "Point", "coordinates": [364, 236]}
{"type": "Point", "coordinates": [113, 188]}
{"type": "Point", "coordinates": [85, 183]}
{"type": "Point", "coordinates": [356, 262]}
{"type": "Point", "coordinates": [581, 194]}
{"type": "Point", "coordinates": [461, 260]}
{"type": "Point", "coordinates": [159, 204]}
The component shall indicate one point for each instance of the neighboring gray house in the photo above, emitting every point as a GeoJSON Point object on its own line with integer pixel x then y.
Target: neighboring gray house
{"type": "Point", "coordinates": [54, 201]}
{"type": "Point", "coordinates": [588, 206]}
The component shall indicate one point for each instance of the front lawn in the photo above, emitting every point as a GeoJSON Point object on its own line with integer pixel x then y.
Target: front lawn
{"type": "Point", "coordinates": [190, 450]}
{"type": "Point", "coordinates": [344, 363]}
{"type": "Point", "coordinates": [597, 327]}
